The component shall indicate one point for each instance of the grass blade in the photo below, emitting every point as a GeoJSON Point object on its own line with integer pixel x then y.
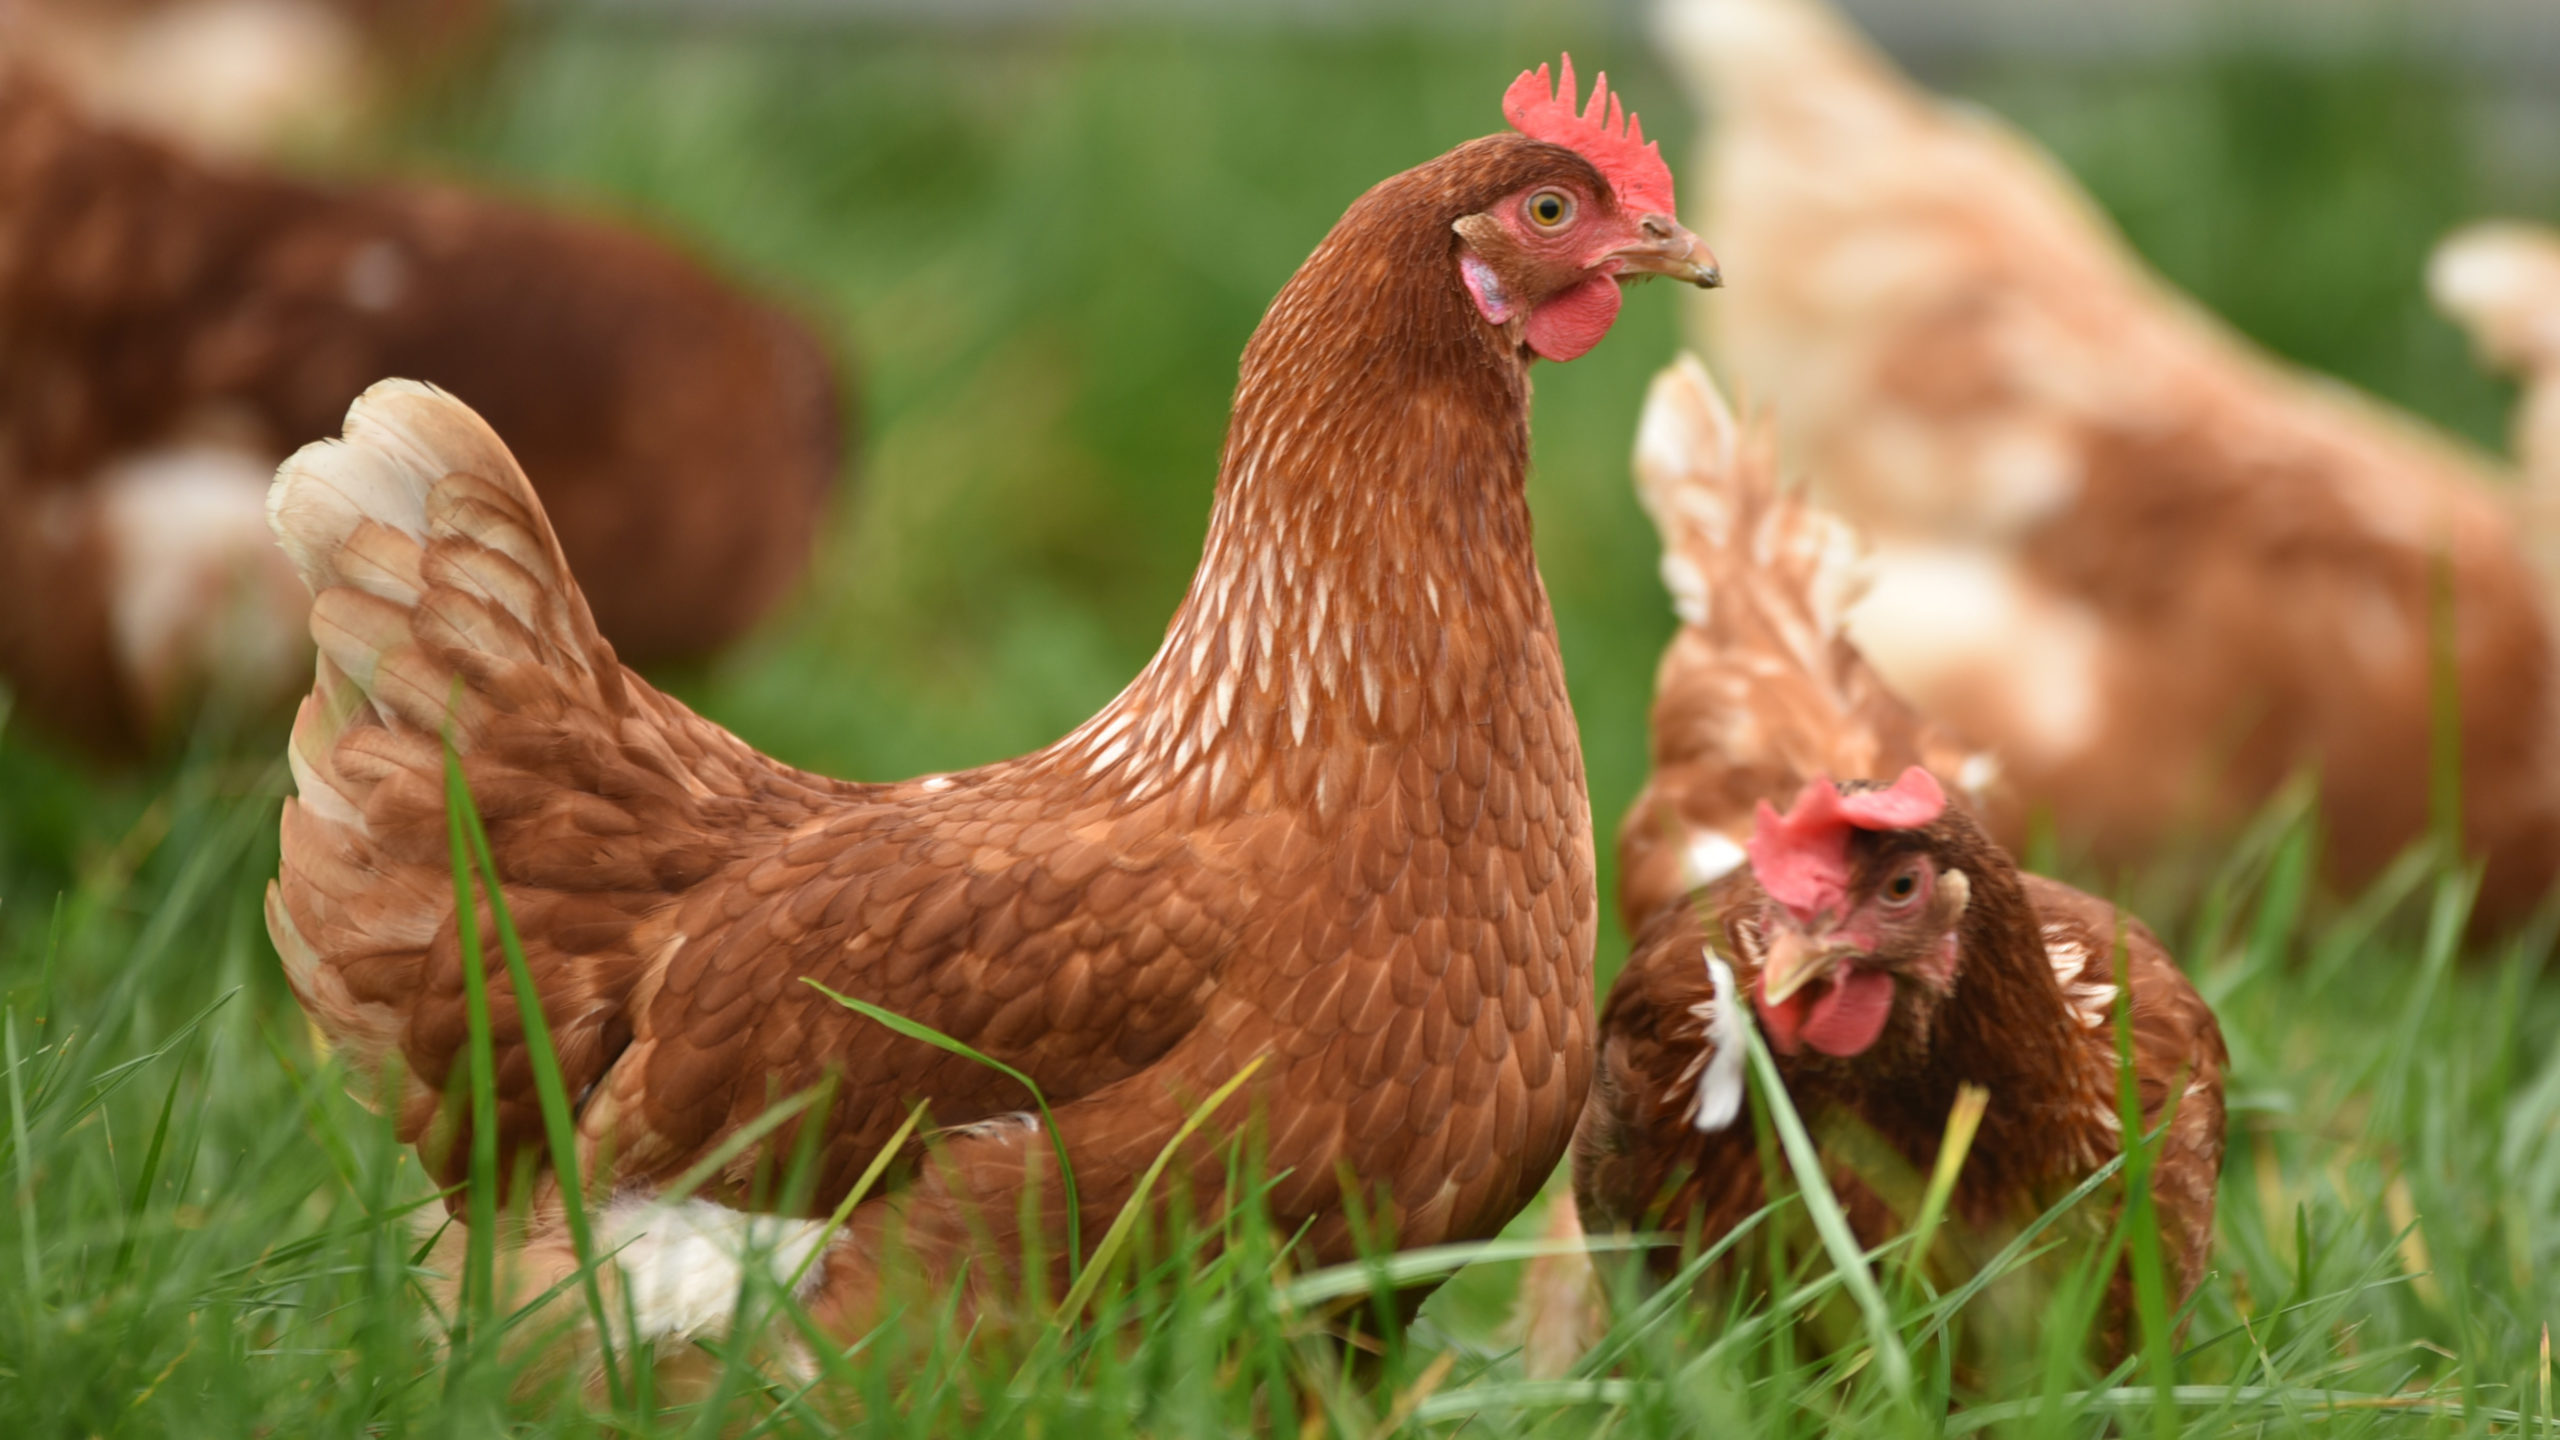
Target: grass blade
{"type": "Point", "coordinates": [1964, 1119]}
{"type": "Point", "coordinates": [478, 1310]}
{"type": "Point", "coordinates": [870, 1176]}
{"type": "Point", "coordinates": [551, 1091]}
{"type": "Point", "coordinates": [918, 1030]}
{"type": "Point", "coordinates": [1121, 1224]}
{"type": "Point", "coordinates": [1829, 1222]}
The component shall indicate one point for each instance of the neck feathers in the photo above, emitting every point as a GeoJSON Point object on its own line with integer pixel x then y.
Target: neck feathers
{"type": "Point", "coordinates": [1368, 575]}
{"type": "Point", "coordinates": [2013, 1026]}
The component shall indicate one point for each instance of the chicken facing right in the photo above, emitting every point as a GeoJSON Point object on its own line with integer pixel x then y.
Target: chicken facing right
{"type": "Point", "coordinates": [2158, 570]}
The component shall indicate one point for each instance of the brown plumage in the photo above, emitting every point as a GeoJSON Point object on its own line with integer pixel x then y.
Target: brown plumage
{"type": "Point", "coordinates": [171, 328]}
{"type": "Point", "coordinates": [1337, 824]}
{"type": "Point", "coordinates": [1761, 685]}
{"type": "Point", "coordinates": [2155, 569]}
{"type": "Point", "coordinates": [1887, 946]}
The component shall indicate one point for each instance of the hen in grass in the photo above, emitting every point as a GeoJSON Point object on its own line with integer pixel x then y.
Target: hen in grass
{"type": "Point", "coordinates": [1337, 825]}
{"type": "Point", "coordinates": [1890, 950]}
{"type": "Point", "coordinates": [2160, 571]}
{"type": "Point", "coordinates": [171, 328]}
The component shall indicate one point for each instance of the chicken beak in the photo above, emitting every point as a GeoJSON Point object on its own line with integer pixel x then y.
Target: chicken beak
{"type": "Point", "coordinates": [1795, 960]}
{"type": "Point", "coordinates": [1670, 250]}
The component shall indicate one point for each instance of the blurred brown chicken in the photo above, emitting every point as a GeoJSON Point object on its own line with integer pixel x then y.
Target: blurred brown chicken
{"type": "Point", "coordinates": [2156, 570]}
{"type": "Point", "coordinates": [1890, 949]}
{"type": "Point", "coordinates": [2501, 282]}
{"type": "Point", "coordinates": [171, 328]}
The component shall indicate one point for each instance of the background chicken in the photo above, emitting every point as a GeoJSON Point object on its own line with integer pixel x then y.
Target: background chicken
{"type": "Point", "coordinates": [171, 328]}
{"type": "Point", "coordinates": [2501, 281]}
{"type": "Point", "coordinates": [1890, 948]}
{"type": "Point", "coordinates": [1338, 825]}
{"type": "Point", "coordinates": [1761, 685]}
{"type": "Point", "coordinates": [2154, 569]}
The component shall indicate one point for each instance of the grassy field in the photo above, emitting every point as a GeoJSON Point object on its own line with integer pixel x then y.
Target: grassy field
{"type": "Point", "coordinates": [1042, 255]}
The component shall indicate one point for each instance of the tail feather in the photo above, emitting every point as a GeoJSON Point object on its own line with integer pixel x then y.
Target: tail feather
{"type": "Point", "coordinates": [430, 561]}
{"type": "Point", "coordinates": [1762, 688]}
{"type": "Point", "coordinates": [2500, 281]}
{"type": "Point", "coordinates": [443, 608]}
{"type": "Point", "coordinates": [1739, 548]}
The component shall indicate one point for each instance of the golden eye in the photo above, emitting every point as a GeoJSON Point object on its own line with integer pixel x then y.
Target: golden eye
{"type": "Point", "coordinates": [1900, 889]}
{"type": "Point", "coordinates": [1550, 208]}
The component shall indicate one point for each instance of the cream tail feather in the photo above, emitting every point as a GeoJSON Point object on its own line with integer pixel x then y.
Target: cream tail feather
{"type": "Point", "coordinates": [441, 599]}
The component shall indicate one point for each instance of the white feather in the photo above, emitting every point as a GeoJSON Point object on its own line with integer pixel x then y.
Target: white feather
{"type": "Point", "coordinates": [684, 1264]}
{"type": "Point", "coordinates": [1720, 1076]}
{"type": "Point", "coordinates": [1709, 856]}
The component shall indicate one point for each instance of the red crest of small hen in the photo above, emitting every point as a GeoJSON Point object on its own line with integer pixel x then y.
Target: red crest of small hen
{"type": "Point", "coordinates": [1337, 826]}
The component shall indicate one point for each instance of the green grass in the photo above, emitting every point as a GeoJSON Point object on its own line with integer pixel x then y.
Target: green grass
{"type": "Point", "coordinates": [1043, 254]}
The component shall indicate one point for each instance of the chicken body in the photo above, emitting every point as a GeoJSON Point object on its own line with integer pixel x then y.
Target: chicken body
{"type": "Point", "coordinates": [2156, 570]}
{"type": "Point", "coordinates": [1337, 826]}
{"type": "Point", "coordinates": [1973, 976]}
{"type": "Point", "coordinates": [171, 328]}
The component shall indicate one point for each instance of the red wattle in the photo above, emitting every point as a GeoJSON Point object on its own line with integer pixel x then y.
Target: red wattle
{"type": "Point", "coordinates": [1573, 321]}
{"type": "Point", "coordinates": [1848, 1016]}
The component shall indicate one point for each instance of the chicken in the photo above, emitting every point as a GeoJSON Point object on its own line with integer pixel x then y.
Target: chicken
{"type": "Point", "coordinates": [2156, 570]}
{"type": "Point", "coordinates": [171, 329]}
{"type": "Point", "coordinates": [1337, 826]}
{"type": "Point", "coordinates": [1760, 686]}
{"type": "Point", "coordinates": [2501, 282]}
{"type": "Point", "coordinates": [1891, 951]}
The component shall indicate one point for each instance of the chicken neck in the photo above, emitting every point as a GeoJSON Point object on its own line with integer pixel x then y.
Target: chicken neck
{"type": "Point", "coordinates": [1368, 577]}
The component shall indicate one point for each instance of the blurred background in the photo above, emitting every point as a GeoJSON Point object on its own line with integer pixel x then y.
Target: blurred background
{"type": "Point", "coordinates": [1037, 237]}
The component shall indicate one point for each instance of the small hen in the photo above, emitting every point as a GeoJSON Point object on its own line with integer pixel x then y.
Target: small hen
{"type": "Point", "coordinates": [1890, 949]}
{"type": "Point", "coordinates": [2158, 571]}
{"type": "Point", "coordinates": [171, 328]}
{"type": "Point", "coordinates": [1337, 825]}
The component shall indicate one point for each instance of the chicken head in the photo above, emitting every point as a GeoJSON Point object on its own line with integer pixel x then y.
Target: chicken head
{"type": "Point", "coordinates": [1548, 259]}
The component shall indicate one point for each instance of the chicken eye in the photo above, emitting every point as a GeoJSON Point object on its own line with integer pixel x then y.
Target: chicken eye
{"type": "Point", "coordinates": [1900, 889]}
{"type": "Point", "coordinates": [1550, 208]}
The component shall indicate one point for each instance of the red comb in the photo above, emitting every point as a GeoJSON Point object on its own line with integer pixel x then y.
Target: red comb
{"type": "Point", "coordinates": [1611, 138]}
{"type": "Point", "coordinates": [1802, 857]}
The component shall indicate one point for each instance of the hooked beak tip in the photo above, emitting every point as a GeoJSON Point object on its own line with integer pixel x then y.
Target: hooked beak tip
{"type": "Point", "coordinates": [1671, 251]}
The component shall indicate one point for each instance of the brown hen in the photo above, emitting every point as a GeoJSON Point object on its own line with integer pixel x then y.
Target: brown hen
{"type": "Point", "coordinates": [170, 329]}
{"type": "Point", "coordinates": [2157, 570]}
{"type": "Point", "coordinates": [1338, 824]}
{"type": "Point", "coordinates": [1890, 948]}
